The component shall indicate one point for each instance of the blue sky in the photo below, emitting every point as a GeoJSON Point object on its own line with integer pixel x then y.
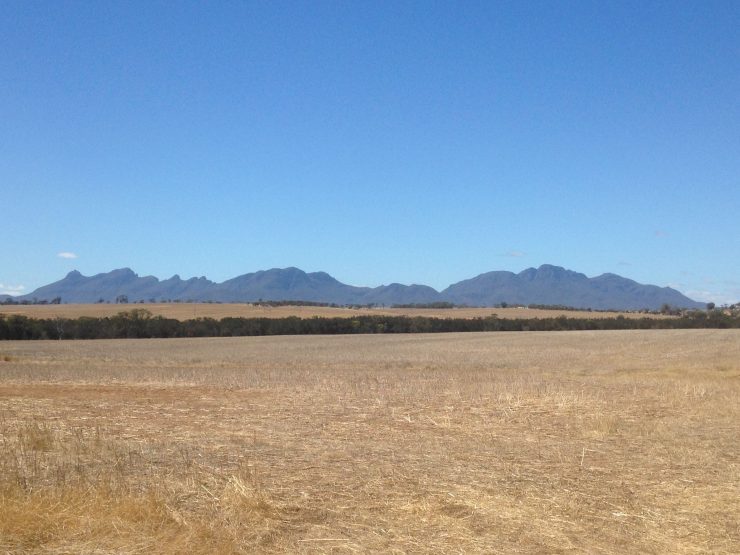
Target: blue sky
{"type": "Point", "coordinates": [418, 142]}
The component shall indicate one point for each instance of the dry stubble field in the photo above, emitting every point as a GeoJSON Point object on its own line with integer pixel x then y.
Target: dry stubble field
{"type": "Point", "coordinates": [187, 311]}
{"type": "Point", "coordinates": [586, 442]}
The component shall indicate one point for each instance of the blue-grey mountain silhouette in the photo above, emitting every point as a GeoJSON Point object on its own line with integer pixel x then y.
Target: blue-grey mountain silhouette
{"type": "Point", "coordinates": [546, 285]}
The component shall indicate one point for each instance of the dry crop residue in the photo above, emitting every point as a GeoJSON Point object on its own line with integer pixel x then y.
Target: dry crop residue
{"type": "Point", "coordinates": [622, 442]}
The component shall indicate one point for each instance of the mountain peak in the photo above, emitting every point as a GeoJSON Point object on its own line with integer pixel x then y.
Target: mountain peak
{"type": "Point", "coordinates": [551, 269]}
{"type": "Point", "coordinates": [292, 270]}
{"type": "Point", "coordinates": [123, 272]}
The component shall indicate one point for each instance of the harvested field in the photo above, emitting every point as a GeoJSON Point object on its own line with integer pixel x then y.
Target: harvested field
{"type": "Point", "coordinates": [187, 311]}
{"type": "Point", "coordinates": [578, 442]}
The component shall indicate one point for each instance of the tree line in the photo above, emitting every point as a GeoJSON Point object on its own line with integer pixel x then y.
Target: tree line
{"type": "Point", "coordinates": [10, 301]}
{"type": "Point", "coordinates": [140, 323]}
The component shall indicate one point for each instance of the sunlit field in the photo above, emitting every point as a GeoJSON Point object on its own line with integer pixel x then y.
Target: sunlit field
{"type": "Point", "coordinates": [187, 311]}
{"type": "Point", "coordinates": [554, 442]}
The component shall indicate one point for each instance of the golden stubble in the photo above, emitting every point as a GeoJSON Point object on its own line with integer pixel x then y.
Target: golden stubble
{"type": "Point", "coordinates": [189, 311]}
{"type": "Point", "coordinates": [620, 442]}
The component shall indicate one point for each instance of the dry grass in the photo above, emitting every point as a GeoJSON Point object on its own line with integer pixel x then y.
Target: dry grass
{"type": "Point", "coordinates": [186, 311]}
{"type": "Point", "coordinates": [587, 442]}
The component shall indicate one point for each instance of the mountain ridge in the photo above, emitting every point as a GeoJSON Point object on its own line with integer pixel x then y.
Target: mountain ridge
{"type": "Point", "coordinates": [546, 285]}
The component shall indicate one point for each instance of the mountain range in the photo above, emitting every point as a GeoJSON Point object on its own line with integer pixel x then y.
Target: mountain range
{"type": "Point", "coordinates": [546, 285]}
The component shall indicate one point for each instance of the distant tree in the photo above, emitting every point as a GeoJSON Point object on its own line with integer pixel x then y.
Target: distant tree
{"type": "Point", "coordinates": [710, 306]}
{"type": "Point", "coordinates": [122, 299]}
{"type": "Point", "coordinates": [59, 325]}
{"type": "Point", "coordinates": [56, 300]}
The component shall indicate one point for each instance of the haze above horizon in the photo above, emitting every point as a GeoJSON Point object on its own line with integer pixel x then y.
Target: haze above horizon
{"type": "Point", "coordinates": [410, 142]}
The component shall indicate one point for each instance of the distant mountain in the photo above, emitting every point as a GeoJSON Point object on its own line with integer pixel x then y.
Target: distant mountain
{"type": "Point", "coordinates": [288, 284]}
{"type": "Point", "coordinates": [76, 288]}
{"type": "Point", "coordinates": [396, 293]}
{"type": "Point", "coordinates": [550, 285]}
{"type": "Point", "coordinates": [553, 285]}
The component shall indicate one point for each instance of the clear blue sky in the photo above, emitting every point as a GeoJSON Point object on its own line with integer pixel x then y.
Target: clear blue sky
{"type": "Point", "coordinates": [419, 142]}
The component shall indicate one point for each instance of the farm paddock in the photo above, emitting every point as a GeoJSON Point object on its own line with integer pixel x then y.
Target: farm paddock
{"type": "Point", "coordinates": [555, 442]}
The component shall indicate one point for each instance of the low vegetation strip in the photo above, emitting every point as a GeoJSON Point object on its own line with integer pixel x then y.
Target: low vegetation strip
{"type": "Point", "coordinates": [139, 323]}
